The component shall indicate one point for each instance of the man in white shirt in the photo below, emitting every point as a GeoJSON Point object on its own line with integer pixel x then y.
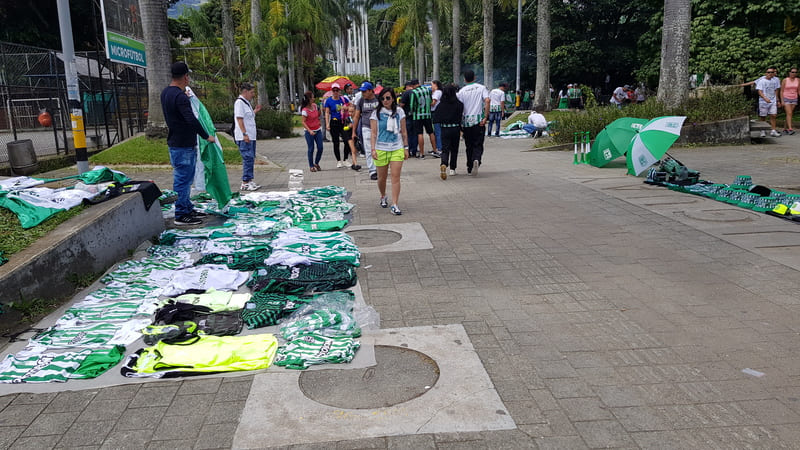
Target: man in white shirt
{"type": "Point", "coordinates": [475, 98]}
{"type": "Point", "coordinates": [536, 122]}
{"type": "Point", "coordinates": [244, 133]}
{"type": "Point", "coordinates": [769, 99]}
{"type": "Point", "coordinates": [497, 107]}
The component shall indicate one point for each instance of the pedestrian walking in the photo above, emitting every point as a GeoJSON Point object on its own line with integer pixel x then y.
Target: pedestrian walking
{"type": "Point", "coordinates": [789, 88]}
{"type": "Point", "coordinates": [182, 142]}
{"type": "Point", "coordinates": [244, 133]}
{"type": "Point", "coordinates": [334, 105]}
{"type": "Point", "coordinates": [389, 146]}
{"type": "Point", "coordinates": [313, 130]}
{"type": "Point", "coordinates": [769, 99]}
{"type": "Point", "coordinates": [366, 104]}
{"type": "Point", "coordinates": [447, 116]}
{"type": "Point", "coordinates": [497, 108]}
{"type": "Point", "coordinates": [436, 97]}
{"type": "Point", "coordinates": [475, 98]}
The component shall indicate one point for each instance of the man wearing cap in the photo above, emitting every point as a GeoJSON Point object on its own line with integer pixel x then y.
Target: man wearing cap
{"type": "Point", "coordinates": [244, 133]}
{"type": "Point", "coordinates": [182, 142]}
{"type": "Point", "coordinates": [420, 108]}
{"type": "Point", "coordinates": [334, 106]}
{"type": "Point", "coordinates": [367, 102]}
{"type": "Point", "coordinates": [619, 96]}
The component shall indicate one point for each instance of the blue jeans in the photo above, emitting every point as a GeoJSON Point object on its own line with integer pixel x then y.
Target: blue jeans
{"type": "Point", "coordinates": [494, 117]}
{"type": "Point", "coordinates": [310, 141]}
{"type": "Point", "coordinates": [183, 160]}
{"type": "Point", "coordinates": [413, 139]}
{"type": "Point", "coordinates": [248, 151]}
{"type": "Point", "coordinates": [437, 131]}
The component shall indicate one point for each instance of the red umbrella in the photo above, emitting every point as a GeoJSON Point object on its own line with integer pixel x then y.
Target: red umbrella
{"type": "Point", "coordinates": [325, 85]}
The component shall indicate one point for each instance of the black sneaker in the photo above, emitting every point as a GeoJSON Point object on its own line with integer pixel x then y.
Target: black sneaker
{"type": "Point", "coordinates": [187, 220]}
{"type": "Point", "coordinates": [196, 213]}
{"type": "Point", "coordinates": [373, 176]}
{"type": "Point", "coordinates": [355, 167]}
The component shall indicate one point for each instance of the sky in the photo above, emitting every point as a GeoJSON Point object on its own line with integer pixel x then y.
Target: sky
{"type": "Point", "coordinates": [175, 10]}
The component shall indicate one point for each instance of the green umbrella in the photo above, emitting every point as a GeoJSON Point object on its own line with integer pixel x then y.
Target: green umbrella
{"type": "Point", "coordinates": [652, 141]}
{"type": "Point", "coordinates": [613, 140]}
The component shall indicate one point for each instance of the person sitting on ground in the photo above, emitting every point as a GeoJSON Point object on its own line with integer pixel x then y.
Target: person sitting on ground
{"type": "Point", "coordinates": [536, 123]}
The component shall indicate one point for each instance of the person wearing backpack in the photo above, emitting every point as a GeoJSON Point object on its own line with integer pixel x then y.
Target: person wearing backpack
{"type": "Point", "coordinates": [244, 133]}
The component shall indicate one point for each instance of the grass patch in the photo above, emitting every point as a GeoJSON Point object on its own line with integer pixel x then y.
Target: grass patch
{"type": "Point", "coordinates": [14, 238]}
{"type": "Point", "coordinates": [34, 309]}
{"type": "Point", "coordinates": [141, 150]}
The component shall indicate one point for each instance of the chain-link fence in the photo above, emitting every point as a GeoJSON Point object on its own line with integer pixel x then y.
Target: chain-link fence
{"type": "Point", "coordinates": [32, 81]}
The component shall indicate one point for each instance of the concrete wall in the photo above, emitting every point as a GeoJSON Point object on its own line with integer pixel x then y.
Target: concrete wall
{"type": "Point", "coordinates": [731, 131]}
{"type": "Point", "coordinates": [88, 243]}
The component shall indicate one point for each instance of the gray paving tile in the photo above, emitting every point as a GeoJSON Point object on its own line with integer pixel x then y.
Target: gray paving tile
{"type": "Point", "coordinates": [127, 440]}
{"type": "Point", "coordinates": [53, 423]}
{"type": "Point", "coordinates": [225, 412]}
{"type": "Point", "coordinates": [98, 410]}
{"type": "Point", "coordinates": [586, 408]}
{"type": "Point", "coordinates": [156, 395]}
{"type": "Point", "coordinates": [70, 401]}
{"type": "Point", "coordinates": [179, 428]}
{"type": "Point", "coordinates": [604, 434]}
{"type": "Point", "coordinates": [21, 414]}
{"type": "Point", "coordinates": [86, 433]}
{"type": "Point", "coordinates": [36, 442]}
{"type": "Point", "coordinates": [9, 434]}
{"type": "Point", "coordinates": [140, 419]}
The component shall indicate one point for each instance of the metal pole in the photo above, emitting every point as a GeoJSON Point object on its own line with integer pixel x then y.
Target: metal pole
{"type": "Point", "coordinates": [73, 91]}
{"type": "Point", "coordinates": [519, 39]}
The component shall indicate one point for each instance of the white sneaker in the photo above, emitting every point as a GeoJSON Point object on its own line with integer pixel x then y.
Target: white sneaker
{"type": "Point", "coordinates": [346, 163]}
{"type": "Point", "coordinates": [249, 186]}
{"type": "Point", "coordinates": [339, 163]}
{"type": "Point", "coordinates": [774, 133]}
{"type": "Point", "coordinates": [763, 133]}
{"type": "Point", "coordinates": [475, 165]}
{"type": "Point", "coordinates": [452, 173]}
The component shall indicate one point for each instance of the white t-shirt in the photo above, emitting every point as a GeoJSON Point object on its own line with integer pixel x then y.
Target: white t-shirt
{"type": "Point", "coordinates": [496, 99]}
{"type": "Point", "coordinates": [242, 108]}
{"type": "Point", "coordinates": [390, 137]}
{"type": "Point", "coordinates": [537, 120]}
{"type": "Point", "coordinates": [472, 96]}
{"type": "Point", "coordinates": [437, 96]}
{"type": "Point", "coordinates": [618, 96]}
{"type": "Point", "coordinates": [768, 87]}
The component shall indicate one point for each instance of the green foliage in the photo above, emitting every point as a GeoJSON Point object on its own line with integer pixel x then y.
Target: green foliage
{"type": "Point", "coordinates": [278, 122]}
{"type": "Point", "coordinates": [14, 238]}
{"type": "Point", "coordinates": [715, 105]}
{"type": "Point", "coordinates": [34, 309]}
{"type": "Point", "coordinates": [141, 150]}
{"type": "Point", "coordinates": [83, 280]}
{"type": "Point", "coordinates": [389, 76]}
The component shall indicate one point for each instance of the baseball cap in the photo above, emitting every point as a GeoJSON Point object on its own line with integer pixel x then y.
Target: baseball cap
{"type": "Point", "coordinates": [336, 86]}
{"type": "Point", "coordinates": [179, 69]}
{"type": "Point", "coordinates": [366, 86]}
{"type": "Point", "coordinates": [627, 86]}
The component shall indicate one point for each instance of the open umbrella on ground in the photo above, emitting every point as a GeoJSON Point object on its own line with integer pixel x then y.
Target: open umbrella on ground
{"type": "Point", "coordinates": [325, 84]}
{"type": "Point", "coordinates": [652, 141]}
{"type": "Point", "coordinates": [613, 140]}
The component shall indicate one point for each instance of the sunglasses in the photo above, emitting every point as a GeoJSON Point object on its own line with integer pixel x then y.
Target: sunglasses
{"type": "Point", "coordinates": [770, 71]}
{"type": "Point", "coordinates": [792, 71]}
{"type": "Point", "coordinates": [386, 98]}
{"type": "Point", "coordinates": [336, 89]}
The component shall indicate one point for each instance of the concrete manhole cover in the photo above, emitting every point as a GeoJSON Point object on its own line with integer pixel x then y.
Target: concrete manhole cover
{"type": "Point", "coordinates": [374, 238]}
{"type": "Point", "coordinates": [400, 375]}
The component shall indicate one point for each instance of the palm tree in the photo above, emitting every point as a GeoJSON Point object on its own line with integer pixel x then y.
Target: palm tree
{"type": "Point", "coordinates": [488, 41]}
{"type": "Point", "coordinates": [228, 44]}
{"type": "Point", "coordinates": [255, 30]}
{"type": "Point", "coordinates": [674, 76]}
{"type": "Point", "coordinates": [456, 40]}
{"type": "Point", "coordinates": [156, 37]}
{"type": "Point", "coordinates": [542, 96]}
{"type": "Point", "coordinates": [410, 16]}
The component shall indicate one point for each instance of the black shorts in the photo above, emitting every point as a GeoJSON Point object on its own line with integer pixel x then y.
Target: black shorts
{"type": "Point", "coordinates": [423, 124]}
{"type": "Point", "coordinates": [575, 103]}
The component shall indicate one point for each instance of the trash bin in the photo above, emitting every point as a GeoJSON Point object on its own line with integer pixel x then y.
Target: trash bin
{"type": "Point", "coordinates": [22, 157]}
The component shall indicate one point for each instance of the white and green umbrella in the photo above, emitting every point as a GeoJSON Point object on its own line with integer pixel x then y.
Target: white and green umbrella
{"type": "Point", "coordinates": [652, 142]}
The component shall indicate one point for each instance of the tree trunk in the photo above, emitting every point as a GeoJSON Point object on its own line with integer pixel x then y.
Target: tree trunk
{"type": "Point", "coordinates": [435, 47]}
{"type": "Point", "coordinates": [456, 41]}
{"type": "Point", "coordinates": [283, 92]}
{"type": "Point", "coordinates": [255, 29]}
{"type": "Point", "coordinates": [542, 96]}
{"type": "Point", "coordinates": [488, 40]}
{"type": "Point", "coordinates": [229, 46]}
{"type": "Point", "coordinates": [156, 37]}
{"type": "Point", "coordinates": [421, 61]}
{"type": "Point", "coordinates": [673, 80]}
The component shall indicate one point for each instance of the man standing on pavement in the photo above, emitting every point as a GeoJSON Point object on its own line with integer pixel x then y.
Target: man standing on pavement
{"type": "Point", "coordinates": [421, 118]}
{"type": "Point", "coordinates": [366, 103]}
{"type": "Point", "coordinates": [475, 98]}
{"type": "Point", "coordinates": [769, 99]}
{"type": "Point", "coordinates": [182, 142]}
{"type": "Point", "coordinates": [497, 107]}
{"type": "Point", "coordinates": [244, 133]}
{"type": "Point", "coordinates": [405, 102]}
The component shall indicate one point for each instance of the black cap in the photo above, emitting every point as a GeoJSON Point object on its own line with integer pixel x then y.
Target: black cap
{"type": "Point", "coordinates": [179, 69]}
{"type": "Point", "coordinates": [414, 82]}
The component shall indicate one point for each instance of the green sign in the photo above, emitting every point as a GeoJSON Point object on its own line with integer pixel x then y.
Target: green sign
{"type": "Point", "coordinates": [125, 50]}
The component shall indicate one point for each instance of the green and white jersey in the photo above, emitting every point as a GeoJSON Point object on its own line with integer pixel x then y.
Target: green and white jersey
{"type": "Point", "coordinates": [325, 322]}
{"type": "Point", "coordinates": [142, 292]}
{"type": "Point", "coordinates": [326, 191]}
{"type": "Point", "coordinates": [235, 244]}
{"type": "Point", "coordinates": [84, 312]}
{"type": "Point", "coordinates": [130, 272]}
{"type": "Point", "coordinates": [246, 261]}
{"type": "Point", "coordinates": [313, 349]}
{"type": "Point", "coordinates": [169, 237]}
{"type": "Point", "coordinates": [420, 104]}
{"type": "Point", "coordinates": [90, 335]}
{"type": "Point", "coordinates": [316, 246]}
{"type": "Point", "coordinates": [214, 299]}
{"type": "Point", "coordinates": [34, 367]}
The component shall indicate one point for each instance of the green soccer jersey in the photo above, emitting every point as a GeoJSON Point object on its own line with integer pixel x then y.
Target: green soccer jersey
{"type": "Point", "coordinates": [313, 349]}
{"type": "Point", "coordinates": [33, 367]}
{"type": "Point", "coordinates": [420, 104]}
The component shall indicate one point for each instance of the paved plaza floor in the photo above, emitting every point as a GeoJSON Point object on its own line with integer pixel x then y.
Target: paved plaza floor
{"type": "Point", "coordinates": [589, 309]}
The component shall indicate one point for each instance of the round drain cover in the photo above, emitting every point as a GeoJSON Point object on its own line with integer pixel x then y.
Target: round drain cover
{"type": "Point", "coordinates": [374, 238]}
{"type": "Point", "coordinates": [400, 375]}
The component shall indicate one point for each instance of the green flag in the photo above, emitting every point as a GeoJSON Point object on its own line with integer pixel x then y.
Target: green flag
{"type": "Point", "coordinates": [216, 175]}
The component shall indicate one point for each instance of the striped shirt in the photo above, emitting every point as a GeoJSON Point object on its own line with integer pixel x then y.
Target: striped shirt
{"type": "Point", "coordinates": [420, 105]}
